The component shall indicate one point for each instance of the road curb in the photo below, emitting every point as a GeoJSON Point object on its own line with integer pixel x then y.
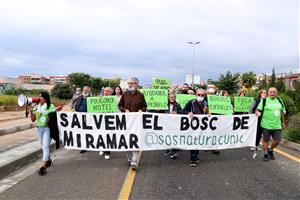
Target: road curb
{"type": "Point", "coordinates": [10, 119]}
{"type": "Point", "coordinates": [18, 128]}
{"type": "Point", "coordinates": [18, 157]}
{"type": "Point", "coordinates": [291, 145]}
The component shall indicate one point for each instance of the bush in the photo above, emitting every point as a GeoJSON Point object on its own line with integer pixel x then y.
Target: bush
{"type": "Point", "coordinates": [10, 91]}
{"type": "Point", "coordinates": [297, 101]}
{"type": "Point", "coordinates": [62, 91]}
{"type": "Point", "coordinates": [29, 93]}
{"type": "Point", "coordinates": [295, 95]}
{"type": "Point", "coordinates": [294, 121]}
{"type": "Point", "coordinates": [58, 102]}
{"type": "Point", "coordinates": [289, 105]}
{"type": "Point", "coordinates": [7, 100]}
{"type": "Point", "coordinates": [293, 134]}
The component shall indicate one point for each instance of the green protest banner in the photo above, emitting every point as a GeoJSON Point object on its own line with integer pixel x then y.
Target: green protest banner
{"type": "Point", "coordinates": [219, 104]}
{"type": "Point", "coordinates": [102, 104]}
{"type": "Point", "coordinates": [242, 104]}
{"type": "Point", "coordinates": [182, 99]}
{"type": "Point", "coordinates": [161, 83]}
{"type": "Point", "coordinates": [156, 99]}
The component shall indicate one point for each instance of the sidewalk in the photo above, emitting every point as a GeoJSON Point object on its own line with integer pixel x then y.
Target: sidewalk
{"type": "Point", "coordinates": [8, 116]}
{"type": "Point", "coordinates": [18, 157]}
{"type": "Point", "coordinates": [13, 126]}
{"type": "Point", "coordinates": [18, 141]}
{"type": "Point", "coordinates": [13, 140]}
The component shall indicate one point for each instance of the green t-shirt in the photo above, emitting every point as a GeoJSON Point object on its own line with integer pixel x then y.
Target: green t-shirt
{"type": "Point", "coordinates": [272, 114]}
{"type": "Point", "coordinates": [41, 113]}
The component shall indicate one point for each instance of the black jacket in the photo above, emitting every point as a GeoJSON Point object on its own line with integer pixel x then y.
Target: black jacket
{"type": "Point", "coordinates": [78, 103]}
{"type": "Point", "coordinates": [195, 107]}
{"type": "Point", "coordinates": [176, 108]}
{"type": "Point", "coordinates": [52, 124]}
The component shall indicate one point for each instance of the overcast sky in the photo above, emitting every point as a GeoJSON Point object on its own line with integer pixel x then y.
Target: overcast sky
{"type": "Point", "coordinates": [147, 39]}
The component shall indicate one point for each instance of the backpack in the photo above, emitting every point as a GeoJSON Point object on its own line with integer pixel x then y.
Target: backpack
{"type": "Point", "coordinates": [264, 104]}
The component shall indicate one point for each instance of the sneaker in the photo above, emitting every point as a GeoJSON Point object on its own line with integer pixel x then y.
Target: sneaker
{"type": "Point", "coordinates": [133, 166]}
{"type": "Point", "coordinates": [271, 155]}
{"type": "Point", "coordinates": [197, 160]}
{"type": "Point", "coordinates": [42, 171]}
{"type": "Point", "coordinates": [49, 163]}
{"type": "Point", "coordinates": [266, 158]}
{"type": "Point", "coordinates": [167, 153]}
{"type": "Point", "coordinates": [173, 156]}
{"type": "Point", "coordinates": [252, 148]}
{"type": "Point", "coordinates": [193, 164]}
{"type": "Point", "coordinates": [258, 148]}
{"type": "Point", "coordinates": [101, 153]}
{"type": "Point", "coordinates": [106, 156]}
{"type": "Point", "coordinates": [82, 151]}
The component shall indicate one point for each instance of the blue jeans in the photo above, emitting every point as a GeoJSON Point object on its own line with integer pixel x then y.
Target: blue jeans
{"type": "Point", "coordinates": [44, 139]}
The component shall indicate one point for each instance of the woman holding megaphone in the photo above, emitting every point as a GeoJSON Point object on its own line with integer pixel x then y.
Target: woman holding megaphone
{"type": "Point", "coordinates": [39, 113]}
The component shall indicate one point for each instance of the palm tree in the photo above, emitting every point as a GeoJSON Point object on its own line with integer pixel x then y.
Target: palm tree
{"type": "Point", "coordinates": [229, 82]}
{"type": "Point", "coordinates": [248, 79]}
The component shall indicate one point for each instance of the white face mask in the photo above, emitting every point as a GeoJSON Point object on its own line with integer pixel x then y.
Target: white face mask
{"type": "Point", "coordinates": [199, 99]}
{"type": "Point", "coordinates": [131, 89]}
{"type": "Point", "coordinates": [85, 94]}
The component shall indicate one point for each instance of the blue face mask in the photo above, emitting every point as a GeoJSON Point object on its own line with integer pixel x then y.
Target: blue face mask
{"type": "Point", "coordinates": [199, 99]}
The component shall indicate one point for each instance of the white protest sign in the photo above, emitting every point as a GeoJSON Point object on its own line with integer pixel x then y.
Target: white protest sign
{"type": "Point", "coordinates": [155, 131]}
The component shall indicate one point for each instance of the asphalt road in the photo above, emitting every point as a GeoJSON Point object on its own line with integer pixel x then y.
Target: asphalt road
{"type": "Point", "coordinates": [234, 174]}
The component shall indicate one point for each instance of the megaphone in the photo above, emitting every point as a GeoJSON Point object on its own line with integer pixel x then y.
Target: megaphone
{"type": "Point", "coordinates": [24, 100]}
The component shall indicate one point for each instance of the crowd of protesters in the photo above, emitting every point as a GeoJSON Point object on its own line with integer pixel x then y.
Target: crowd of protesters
{"type": "Point", "coordinates": [267, 106]}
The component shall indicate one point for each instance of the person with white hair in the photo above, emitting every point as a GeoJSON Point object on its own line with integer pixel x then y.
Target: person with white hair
{"type": "Point", "coordinates": [272, 113]}
{"type": "Point", "coordinates": [133, 100]}
{"type": "Point", "coordinates": [107, 91]}
{"type": "Point", "coordinates": [211, 91]}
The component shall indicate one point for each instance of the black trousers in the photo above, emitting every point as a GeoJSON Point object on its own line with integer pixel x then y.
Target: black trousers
{"type": "Point", "coordinates": [194, 155]}
{"type": "Point", "coordinates": [258, 132]}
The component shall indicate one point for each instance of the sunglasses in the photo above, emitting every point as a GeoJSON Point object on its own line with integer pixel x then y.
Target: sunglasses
{"type": "Point", "coordinates": [200, 95]}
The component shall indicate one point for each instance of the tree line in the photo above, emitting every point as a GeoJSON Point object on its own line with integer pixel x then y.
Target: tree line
{"type": "Point", "coordinates": [66, 91]}
{"type": "Point", "coordinates": [232, 82]}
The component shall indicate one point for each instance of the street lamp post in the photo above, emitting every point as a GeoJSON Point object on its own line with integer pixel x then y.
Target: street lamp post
{"type": "Point", "coordinates": [193, 75]}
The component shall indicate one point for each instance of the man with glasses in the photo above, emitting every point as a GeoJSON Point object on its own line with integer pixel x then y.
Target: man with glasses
{"type": "Point", "coordinates": [133, 101]}
{"type": "Point", "coordinates": [198, 107]}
